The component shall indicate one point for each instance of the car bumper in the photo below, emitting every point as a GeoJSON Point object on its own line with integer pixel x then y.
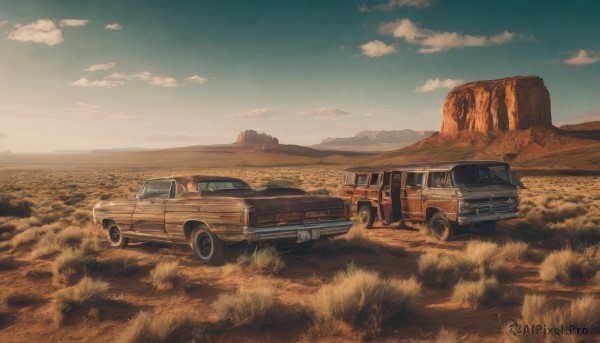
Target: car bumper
{"type": "Point", "coordinates": [301, 233]}
{"type": "Point", "coordinates": [466, 220]}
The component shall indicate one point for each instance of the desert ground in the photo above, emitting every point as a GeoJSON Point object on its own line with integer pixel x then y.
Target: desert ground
{"type": "Point", "coordinates": [60, 282]}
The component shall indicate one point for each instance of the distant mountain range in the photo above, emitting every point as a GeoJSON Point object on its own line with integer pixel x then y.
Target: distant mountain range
{"type": "Point", "coordinates": [381, 140]}
{"type": "Point", "coordinates": [587, 126]}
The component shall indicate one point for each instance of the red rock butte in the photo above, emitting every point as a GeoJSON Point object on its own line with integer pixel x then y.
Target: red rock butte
{"type": "Point", "coordinates": [513, 103]}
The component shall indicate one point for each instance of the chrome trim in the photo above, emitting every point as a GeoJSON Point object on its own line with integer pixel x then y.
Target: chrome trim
{"type": "Point", "coordinates": [466, 220]}
{"type": "Point", "coordinates": [255, 234]}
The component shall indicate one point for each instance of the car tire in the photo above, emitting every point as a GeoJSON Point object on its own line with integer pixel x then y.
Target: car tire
{"type": "Point", "coordinates": [366, 216]}
{"type": "Point", "coordinates": [208, 247]}
{"type": "Point", "coordinates": [116, 239]}
{"type": "Point", "coordinates": [487, 228]}
{"type": "Point", "coordinates": [440, 227]}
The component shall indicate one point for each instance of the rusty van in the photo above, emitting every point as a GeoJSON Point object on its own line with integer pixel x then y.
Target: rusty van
{"type": "Point", "coordinates": [444, 195]}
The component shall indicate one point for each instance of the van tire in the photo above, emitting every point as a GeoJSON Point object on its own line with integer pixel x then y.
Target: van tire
{"type": "Point", "coordinates": [366, 216]}
{"type": "Point", "coordinates": [440, 227]}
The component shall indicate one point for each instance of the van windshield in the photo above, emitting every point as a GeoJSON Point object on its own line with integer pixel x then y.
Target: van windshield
{"type": "Point", "coordinates": [478, 175]}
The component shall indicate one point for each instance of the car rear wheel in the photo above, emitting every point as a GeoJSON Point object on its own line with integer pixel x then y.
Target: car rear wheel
{"type": "Point", "coordinates": [366, 216]}
{"type": "Point", "coordinates": [115, 236]}
{"type": "Point", "coordinates": [440, 227]}
{"type": "Point", "coordinates": [208, 247]}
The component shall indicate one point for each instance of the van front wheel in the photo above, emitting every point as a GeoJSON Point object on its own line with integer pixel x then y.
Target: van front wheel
{"type": "Point", "coordinates": [440, 227]}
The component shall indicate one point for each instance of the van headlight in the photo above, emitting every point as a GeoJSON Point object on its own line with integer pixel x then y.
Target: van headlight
{"type": "Point", "coordinates": [466, 205]}
{"type": "Point", "coordinates": [512, 201]}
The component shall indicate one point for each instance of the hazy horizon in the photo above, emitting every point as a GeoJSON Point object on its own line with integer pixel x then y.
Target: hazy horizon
{"type": "Point", "coordinates": [149, 74]}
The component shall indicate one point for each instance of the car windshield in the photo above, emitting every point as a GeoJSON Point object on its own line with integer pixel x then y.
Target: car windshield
{"type": "Point", "coordinates": [214, 186]}
{"type": "Point", "coordinates": [478, 175]}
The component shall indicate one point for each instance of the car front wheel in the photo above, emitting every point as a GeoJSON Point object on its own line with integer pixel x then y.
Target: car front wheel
{"type": "Point", "coordinates": [115, 236]}
{"type": "Point", "coordinates": [440, 227]}
{"type": "Point", "coordinates": [208, 247]}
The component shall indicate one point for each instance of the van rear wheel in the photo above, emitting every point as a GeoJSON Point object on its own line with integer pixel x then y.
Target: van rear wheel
{"type": "Point", "coordinates": [440, 227]}
{"type": "Point", "coordinates": [366, 216]}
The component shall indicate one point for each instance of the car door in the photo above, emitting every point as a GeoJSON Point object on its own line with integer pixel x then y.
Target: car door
{"type": "Point", "coordinates": [412, 193]}
{"type": "Point", "coordinates": [149, 214]}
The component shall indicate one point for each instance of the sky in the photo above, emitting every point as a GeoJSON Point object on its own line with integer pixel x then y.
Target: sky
{"type": "Point", "coordinates": [107, 74]}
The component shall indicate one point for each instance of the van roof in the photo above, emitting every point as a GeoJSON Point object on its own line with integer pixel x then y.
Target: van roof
{"type": "Point", "coordinates": [424, 166]}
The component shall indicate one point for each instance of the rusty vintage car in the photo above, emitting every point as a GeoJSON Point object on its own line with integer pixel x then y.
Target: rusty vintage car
{"type": "Point", "coordinates": [209, 213]}
{"type": "Point", "coordinates": [444, 195]}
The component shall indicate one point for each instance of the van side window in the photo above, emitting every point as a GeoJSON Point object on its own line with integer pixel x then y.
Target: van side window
{"type": "Point", "coordinates": [440, 180]}
{"type": "Point", "coordinates": [349, 180]}
{"type": "Point", "coordinates": [375, 178]}
{"type": "Point", "coordinates": [414, 179]}
{"type": "Point", "coordinates": [361, 180]}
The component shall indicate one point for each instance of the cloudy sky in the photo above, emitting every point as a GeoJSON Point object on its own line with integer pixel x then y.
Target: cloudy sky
{"type": "Point", "coordinates": [112, 74]}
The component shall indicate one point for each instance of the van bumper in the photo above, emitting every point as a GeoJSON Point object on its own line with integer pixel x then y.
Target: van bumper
{"type": "Point", "coordinates": [466, 220]}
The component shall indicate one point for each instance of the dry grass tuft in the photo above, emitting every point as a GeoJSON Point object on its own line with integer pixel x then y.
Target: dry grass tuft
{"type": "Point", "coordinates": [266, 260]}
{"type": "Point", "coordinates": [157, 328]}
{"type": "Point", "coordinates": [475, 293]}
{"type": "Point", "coordinates": [87, 295]}
{"type": "Point", "coordinates": [514, 250]}
{"type": "Point", "coordinates": [478, 261]}
{"type": "Point", "coordinates": [7, 262]}
{"type": "Point", "coordinates": [566, 267]}
{"type": "Point", "coordinates": [33, 235]}
{"type": "Point", "coordinates": [245, 307]}
{"type": "Point", "coordinates": [361, 298]}
{"type": "Point", "coordinates": [447, 336]}
{"type": "Point", "coordinates": [52, 242]}
{"type": "Point", "coordinates": [582, 312]}
{"type": "Point", "coordinates": [75, 262]}
{"type": "Point", "coordinates": [166, 275]}
{"type": "Point", "coordinates": [15, 298]}
{"type": "Point", "coordinates": [355, 240]}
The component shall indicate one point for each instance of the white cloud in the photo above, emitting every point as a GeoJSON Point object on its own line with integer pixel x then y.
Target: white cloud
{"type": "Point", "coordinates": [73, 22]}
{"type": "Point", "coordinates": [433, 41]}
{"type": "Point", "coordinates": [433, 84]}
{"type": "Point", "coordinates": [105, 66]}
{"type": "Point", "coordinates": [582, 57]}
{"type": "Point", "coordinates": [43, 31]}
{"type": "Point", "coordinates": [377, 48]}
{"type": "Point", "coordinates": [103, 83]}
{"type": "Point", "coordinates": [167, 82]}
{"type": "Point", "coordinates": [113, 26]}
{"type": "Point", "coordinates": [199, 80]}
{"type": "Point", "coordinates": [392, 4]}
{"type": "Point", "coordinates": [86, 105]}
{"type": "Point", "coordinates": [3, 22]}
{"type": "Point", "coordinates": [258, 113]}
{"type": "Point", "coordinates": [325, 112]}
{"type": "Point", "coordinates": [139, 76]}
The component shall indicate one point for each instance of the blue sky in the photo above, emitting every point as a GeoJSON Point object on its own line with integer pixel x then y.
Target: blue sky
{"type": "Point", "coordinates": [108, 74]}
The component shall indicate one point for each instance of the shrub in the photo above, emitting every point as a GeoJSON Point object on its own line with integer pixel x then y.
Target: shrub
{"type": "Point", "coordinates": [166, 275]}
{"type": "Point", "coordinates": [156, 327]}
{"type": "Point", "coordinates": [566, 267]}
{"type": "Point", "coordinates": [245, 306]}
{"type": "Point", "coordinates": [513, 250]}
{"type": "Point", "coordinates": [266, 260]}
{"type": "Point", "coordinates": [12, 207]}
{"type": "Point", "coordinates": [475, 293]}
{"type": "Point", "coordinates": [363, 298]}
{"type": "Point", "coordinates": [88, 295]}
